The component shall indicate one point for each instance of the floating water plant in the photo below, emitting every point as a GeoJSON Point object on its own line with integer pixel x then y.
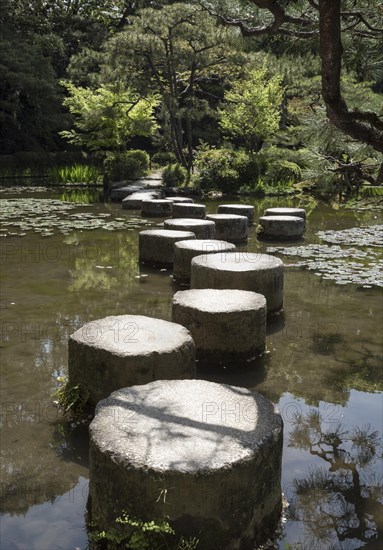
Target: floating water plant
{"type": "Point", "coordinates": [44, 216]}
{"type": "Point", "coordinates": [350, 260]}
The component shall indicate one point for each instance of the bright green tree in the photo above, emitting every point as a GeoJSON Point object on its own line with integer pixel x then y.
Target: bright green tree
{"type": "Point", "coordinates": [179, 52]}
{"type": "Point", "coordinates": [107, 118]}
{"type": "Point", "coordinates": [252, 109]}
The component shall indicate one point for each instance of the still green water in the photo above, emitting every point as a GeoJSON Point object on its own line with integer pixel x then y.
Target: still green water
{"type": "Point", "coordinates": [323, 366]}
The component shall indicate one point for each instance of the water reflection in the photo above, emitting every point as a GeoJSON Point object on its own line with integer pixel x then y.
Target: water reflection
{"type": "Point", "coordinates": [342, 502]}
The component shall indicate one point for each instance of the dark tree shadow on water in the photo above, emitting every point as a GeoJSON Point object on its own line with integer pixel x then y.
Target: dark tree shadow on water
{"type": "Point", "coordinates": [341, 506]}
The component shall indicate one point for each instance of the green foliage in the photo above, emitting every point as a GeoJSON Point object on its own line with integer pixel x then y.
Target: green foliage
{"type": "Point", "coordinates": [252, 109]}
{"type": "Point", "coordinates": [162, 158]}
{"type": "Point", "coordinates": [141, 535]}
{"type": "Point", "coordinates": [77, 173]}
{"type": "Point", "coordinates": [180, 53]}
{"type": "Point", "coordinates": [128, 165]}
{"type": "Point", "coordinates": [71, 399]}
{"type": "Point", "coordinates": [283, 171]}
{"type": "Point", "coordinates": [30, 97]}
{"type": "Point", "coordinates": [107, 118]}
{"type": "Point", "coordinates": [225, 169]}
{"type": "Point", "coordinates": [371, 191]}
{"type": "Point", "coordinates": [174, 175]}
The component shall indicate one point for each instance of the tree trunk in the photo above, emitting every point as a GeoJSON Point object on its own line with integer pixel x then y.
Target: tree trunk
{"type": "Point", "coordinates": [379, 178]}
{"type": "Point", "coordinates": [331, 50]}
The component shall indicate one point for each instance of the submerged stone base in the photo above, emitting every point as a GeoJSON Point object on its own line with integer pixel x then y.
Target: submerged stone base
{"type": "Point", "coordinates": [260, 273]}
{"type": "Point", "coordinates": [156, 246]}
{"type": "Point", "coordinates": [206, 455]}
{"type": "Point", "coordinates": [226, 325]}
{"type": "Point", "coordinates": [125, 350]}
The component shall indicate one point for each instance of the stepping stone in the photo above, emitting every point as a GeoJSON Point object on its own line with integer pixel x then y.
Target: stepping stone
{"type": "Point", "coordinates": [119, 193]}
{"type": "Point", "coordinates": [207, 454]}
{"type": "Point", "coordinates": [181, 210]}
{"type": "Point", "coordinates": [156, 208]}
{"type": "Point", "coordinates": [226, 325]}
{"type": "Point", "coordinates": [134, 201]}
{"type": "Point", "coordinates": [239, 209]}
{"type": "Point", "coordinates": [126, 350]}
{"type": "Point", "coordinates": [281, 227]}
{"type": "Point", "coordinates": [203, 229]}
{"type": "Point", "coordinates": [183, 200]}
{"type": "Point", "coordinates": [185, 251]}
{"type": "Point", "coordinates": [260, 273]}
{"type": "Point", "coordinates": [298, 212]}
{"type": "Point", "coordinates": [230, 227]}
{"type": "Point", "coordinates": [156, 246]}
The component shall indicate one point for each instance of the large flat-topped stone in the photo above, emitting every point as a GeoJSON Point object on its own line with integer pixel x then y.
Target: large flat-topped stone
{"type": "Point", "coordinates": [230, 227]}
{"type": "Point", "coordinates": [213, 448]}
{"type": "Point", "coordinates": [156, 246]}
{"type": "Point", "coordinates": [124, 350]}
{"type": "Point", "coordinates": [259, 273]}
{"type": "Point", "coordinates": [134, 201]}
{"type": "Point", "coordinates": [281, 227]}
{"type": "Point", "coordinates": [226, 325]}
{"type": "Point", "coordinates": [156, 208]}
{"type": "Point", "coordinates": [203, 229]}
{"type": "Point", "coordinates": [185, 251]}
{"type": "Point", "coordinates": [239, 209]}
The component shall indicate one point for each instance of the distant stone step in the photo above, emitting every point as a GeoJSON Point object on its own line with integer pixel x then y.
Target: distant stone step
{"type": "Point", "coordinates": [203, 229]}
{"type": "Point", "coordinates": [134, 201]}
{"type": "Point", "coordinates": [239, 209]}
{"type": "Point", "coordinates": [230, 227]}
{"type": "Point", "coordinates": [281, 227]}
{"type": "Point", "coordinates": [156, 246]}
{"type": "Point", "coordinates": [185, 251]}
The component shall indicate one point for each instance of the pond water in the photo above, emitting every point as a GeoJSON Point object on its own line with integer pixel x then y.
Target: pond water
{"type": "Point", "coordinates": [62, 267]}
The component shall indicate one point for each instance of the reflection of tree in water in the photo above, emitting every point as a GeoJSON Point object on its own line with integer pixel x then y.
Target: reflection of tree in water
{"type": "Point", "coordinates": [341, 506]}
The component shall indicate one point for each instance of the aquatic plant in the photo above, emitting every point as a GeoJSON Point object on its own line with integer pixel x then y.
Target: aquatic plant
{"type": "Point", "coordinates": [71, 399]}
{"type": "Point", "coordinates": [143, 535]}
{"type": "Point", "coordinates": [77, 173]}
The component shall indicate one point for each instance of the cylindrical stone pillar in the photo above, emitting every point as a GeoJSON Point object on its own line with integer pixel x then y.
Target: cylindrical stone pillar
{"type": "Point", "coordinates": [299, 212]}
{"type": "Point", "coordinates": [203, 229]}
{"type": "Point", "coordinates": [229, 227]}
{"type": "Point", "coordinates": [259, 273]}
{"type": "Point", "coordinates": [185, 251]}
{"type": "Point", "coordinates": [125, 350]}
{"type": "Point", "coordinates": [207, 456]}
{"type": "Point", "coordinates": [226, 325]}
{"type": "Point", "coordinates": [156, 208]}
{"type": "Point", "coordinates": [239, 209]}
{"type": "Point", "coordinates": [281, 227]}
{"type": "Point", "coordinates": [197, 211]}
{"type": "Point", "coordinates": [156, 246]}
